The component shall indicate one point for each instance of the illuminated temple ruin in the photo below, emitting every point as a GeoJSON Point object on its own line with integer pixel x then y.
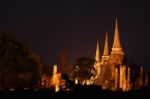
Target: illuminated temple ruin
{"type": "Point", "coordinates": [53, 82]}
{"type": "Point", "coordinates": [113, 73]}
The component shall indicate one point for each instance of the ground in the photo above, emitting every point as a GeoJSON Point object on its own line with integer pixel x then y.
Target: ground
{"type": "Point", "coordinates": [79, 91]}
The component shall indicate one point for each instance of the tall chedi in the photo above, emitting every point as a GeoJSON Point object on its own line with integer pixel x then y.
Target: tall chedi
{"type": "Point", "coordinates": [62, 62]}
{"type": "Point", "coordinates": [105, 56]}
{"type": "Point", "coordinates": [97, 59]}
{"type": "Point", "coordinates": [117, 54]}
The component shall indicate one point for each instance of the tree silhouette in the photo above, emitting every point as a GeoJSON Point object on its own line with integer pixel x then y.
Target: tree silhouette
{"type": "Point", "coordinates": [84, 68]}
{"type": "Point", "coordinates": [19, 67]}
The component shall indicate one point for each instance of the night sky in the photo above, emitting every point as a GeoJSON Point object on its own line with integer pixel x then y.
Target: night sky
{"type": "Point", "coordinates": [50, 26]}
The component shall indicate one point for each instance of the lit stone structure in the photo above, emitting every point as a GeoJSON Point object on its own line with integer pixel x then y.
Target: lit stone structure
{"type": "Point", "coordinates": [116, 78]}
{"type": "Point", "coordinates": [124, 81]}
{"type": "Point", "coordinates": [98, 60]}
{"type": "Point", "coordinates": [56, 78]}
{"type": "Point", "coordinates": [109, 61]}
{"type": "Point", "coordinates": [112, 73]}
{"type": "Point", "coordinates": [121, 77]}
{"type": "Point", "coordinates": [54, 69]}
{"type": "Point", "coordinates": [62, 62]}
{"type": "Point", "coordinates": [55, 81]}
{"type": "Point", "coordinates": [117, 54]}
{"type": "Point", "coordinates": [105, 56]}
{"type": "Point", "coordinates": [129, 79]}
{"type": "Point", "coordinates": [76, 81]}
{"type": "Point", "coordinates": [141, 77]}
{"type": "Point", "coordinates": [146, 79]}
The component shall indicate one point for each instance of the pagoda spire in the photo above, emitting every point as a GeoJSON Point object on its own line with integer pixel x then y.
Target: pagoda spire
{"type": "Point", "coordinates": [97, 56]}
{"type": "Point", "coordinates": [106, 49]}
{"type": "Point", "coordinates": [97, 64]}
{"type": "Point", "coordinates": [117, 54]}
{"type": "Point", "coordinates": [116, 36]}
{"type": "Point", "coordinates": [116, 48]}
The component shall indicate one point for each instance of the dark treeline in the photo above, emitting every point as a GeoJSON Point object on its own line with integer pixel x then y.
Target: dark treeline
{"type": "Point", "coordinates": [19, 66]}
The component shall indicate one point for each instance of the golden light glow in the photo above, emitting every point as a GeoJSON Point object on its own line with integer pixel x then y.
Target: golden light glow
{"type": "Point", "coordinates": [76, 81]}
{"type": "Point", "coordinates": [56, 88]}
{"type": "Point", "coordinates": [54, 69]}
{"type": "Point", "coordinates": [56, 81]}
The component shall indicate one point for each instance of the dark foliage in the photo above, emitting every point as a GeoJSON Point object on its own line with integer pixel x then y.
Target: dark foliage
{"type": "Point", "coordinates": [84, 68]}
{"type": "Point", "coordinates": [19, 67]}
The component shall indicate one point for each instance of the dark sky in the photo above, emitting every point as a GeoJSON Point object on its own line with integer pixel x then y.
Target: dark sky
{"type": "Point", "coordinates": [49, 26]}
